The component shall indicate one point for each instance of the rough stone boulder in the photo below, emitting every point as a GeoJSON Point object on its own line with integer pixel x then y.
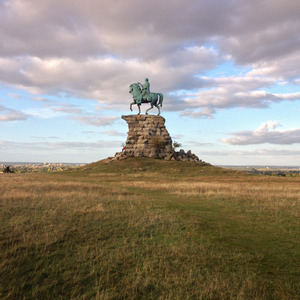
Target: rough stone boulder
{"type": "Point", "coordinates": [148, 136]}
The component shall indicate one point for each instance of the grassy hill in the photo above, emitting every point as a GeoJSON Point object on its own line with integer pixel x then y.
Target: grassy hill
{"type": "Point", "coordinates": [149, 229]}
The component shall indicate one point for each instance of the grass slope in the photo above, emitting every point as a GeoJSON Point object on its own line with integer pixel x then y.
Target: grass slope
{"type": "Point", "coordinates": [149, 229]}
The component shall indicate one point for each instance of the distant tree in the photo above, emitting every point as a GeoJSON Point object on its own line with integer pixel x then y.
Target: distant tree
{"type": "Point", "coordinates": [176, 145]}
{"type": "Point", "coordinates": [7, 169]}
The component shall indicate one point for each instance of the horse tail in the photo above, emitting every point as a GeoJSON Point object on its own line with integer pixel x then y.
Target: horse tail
{"type": "Point", "coordinates": [161, 98]}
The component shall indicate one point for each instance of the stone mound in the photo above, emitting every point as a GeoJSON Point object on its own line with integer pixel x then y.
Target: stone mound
{"type": "Point", "coordinates": [148, 137]}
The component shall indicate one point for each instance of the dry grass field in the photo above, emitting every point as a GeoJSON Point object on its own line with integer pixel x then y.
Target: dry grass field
{"type": "Point", "coordinates": [149, 229]}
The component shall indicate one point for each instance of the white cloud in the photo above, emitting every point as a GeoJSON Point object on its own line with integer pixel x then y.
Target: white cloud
{"type": "Point", "coordinates": [40, 99]}
{"type": "Point", "coordinates": [266, 126]}
{"type": "Point", "coordinates": [95, 120]}
{"type": "Point", "coordinates": [266, 133]}
{"type": "Point", "coordinates": [259, 154]}
{"type": "Point", "coordinates": [281, 69]}
{"type": "Point", "coordinates": [14, 96]}
{"type": "Point", "coordinates": [249, 31]}
{"type": "Point", "coordinates": [95, 49]}
{"type": "Point", "coordinates": [57, 146]}
{"type": "Point", "coordinates": [229, 92]}
{"type": "Point", "coordinates": [42, 113]}
{"type": "Point", "coordinates": [105, 79]}
{"type": "Point", "coordinates": [115, 133]}
{"type": "Point", "coordinates": [8, 114]}
{"type": "Point", "coordinates": [205, 113]}
{"type": "Point", "coordinates": [68, 108]}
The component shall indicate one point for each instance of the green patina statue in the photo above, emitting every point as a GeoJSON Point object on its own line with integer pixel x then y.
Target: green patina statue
{"type": "Point", "coordinates": [141, 94]}
{"type": "Point", "coordinates": [145, 88]}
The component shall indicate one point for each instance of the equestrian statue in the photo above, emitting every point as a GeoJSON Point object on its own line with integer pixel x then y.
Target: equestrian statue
{"type": "Point", "coordinates": [141, 94]}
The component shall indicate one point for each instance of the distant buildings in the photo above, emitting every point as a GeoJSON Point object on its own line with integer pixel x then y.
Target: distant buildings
{"type": "Point", "coordinates": [36, 167]}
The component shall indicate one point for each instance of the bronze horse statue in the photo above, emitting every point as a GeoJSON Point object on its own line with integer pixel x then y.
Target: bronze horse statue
{"type": "Point", "coordinates": [155, 99]}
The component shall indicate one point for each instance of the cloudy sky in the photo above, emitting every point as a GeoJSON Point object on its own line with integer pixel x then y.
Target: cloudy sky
{"type": "Point", "coordinates": [228, 69]}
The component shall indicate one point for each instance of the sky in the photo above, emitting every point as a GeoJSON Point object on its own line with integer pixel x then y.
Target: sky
{"type": "Point", "coordinates": [228, 70]}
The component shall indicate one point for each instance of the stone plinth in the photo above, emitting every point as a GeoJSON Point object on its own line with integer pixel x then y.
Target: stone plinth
{"type": "Point", "coordinates": [147, 136]}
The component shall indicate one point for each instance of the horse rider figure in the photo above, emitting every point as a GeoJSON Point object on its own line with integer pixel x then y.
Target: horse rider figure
{"type": "Point", "coordinates": [145, 89]}
{"type": "Point", "coordinates": [141, 94]}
